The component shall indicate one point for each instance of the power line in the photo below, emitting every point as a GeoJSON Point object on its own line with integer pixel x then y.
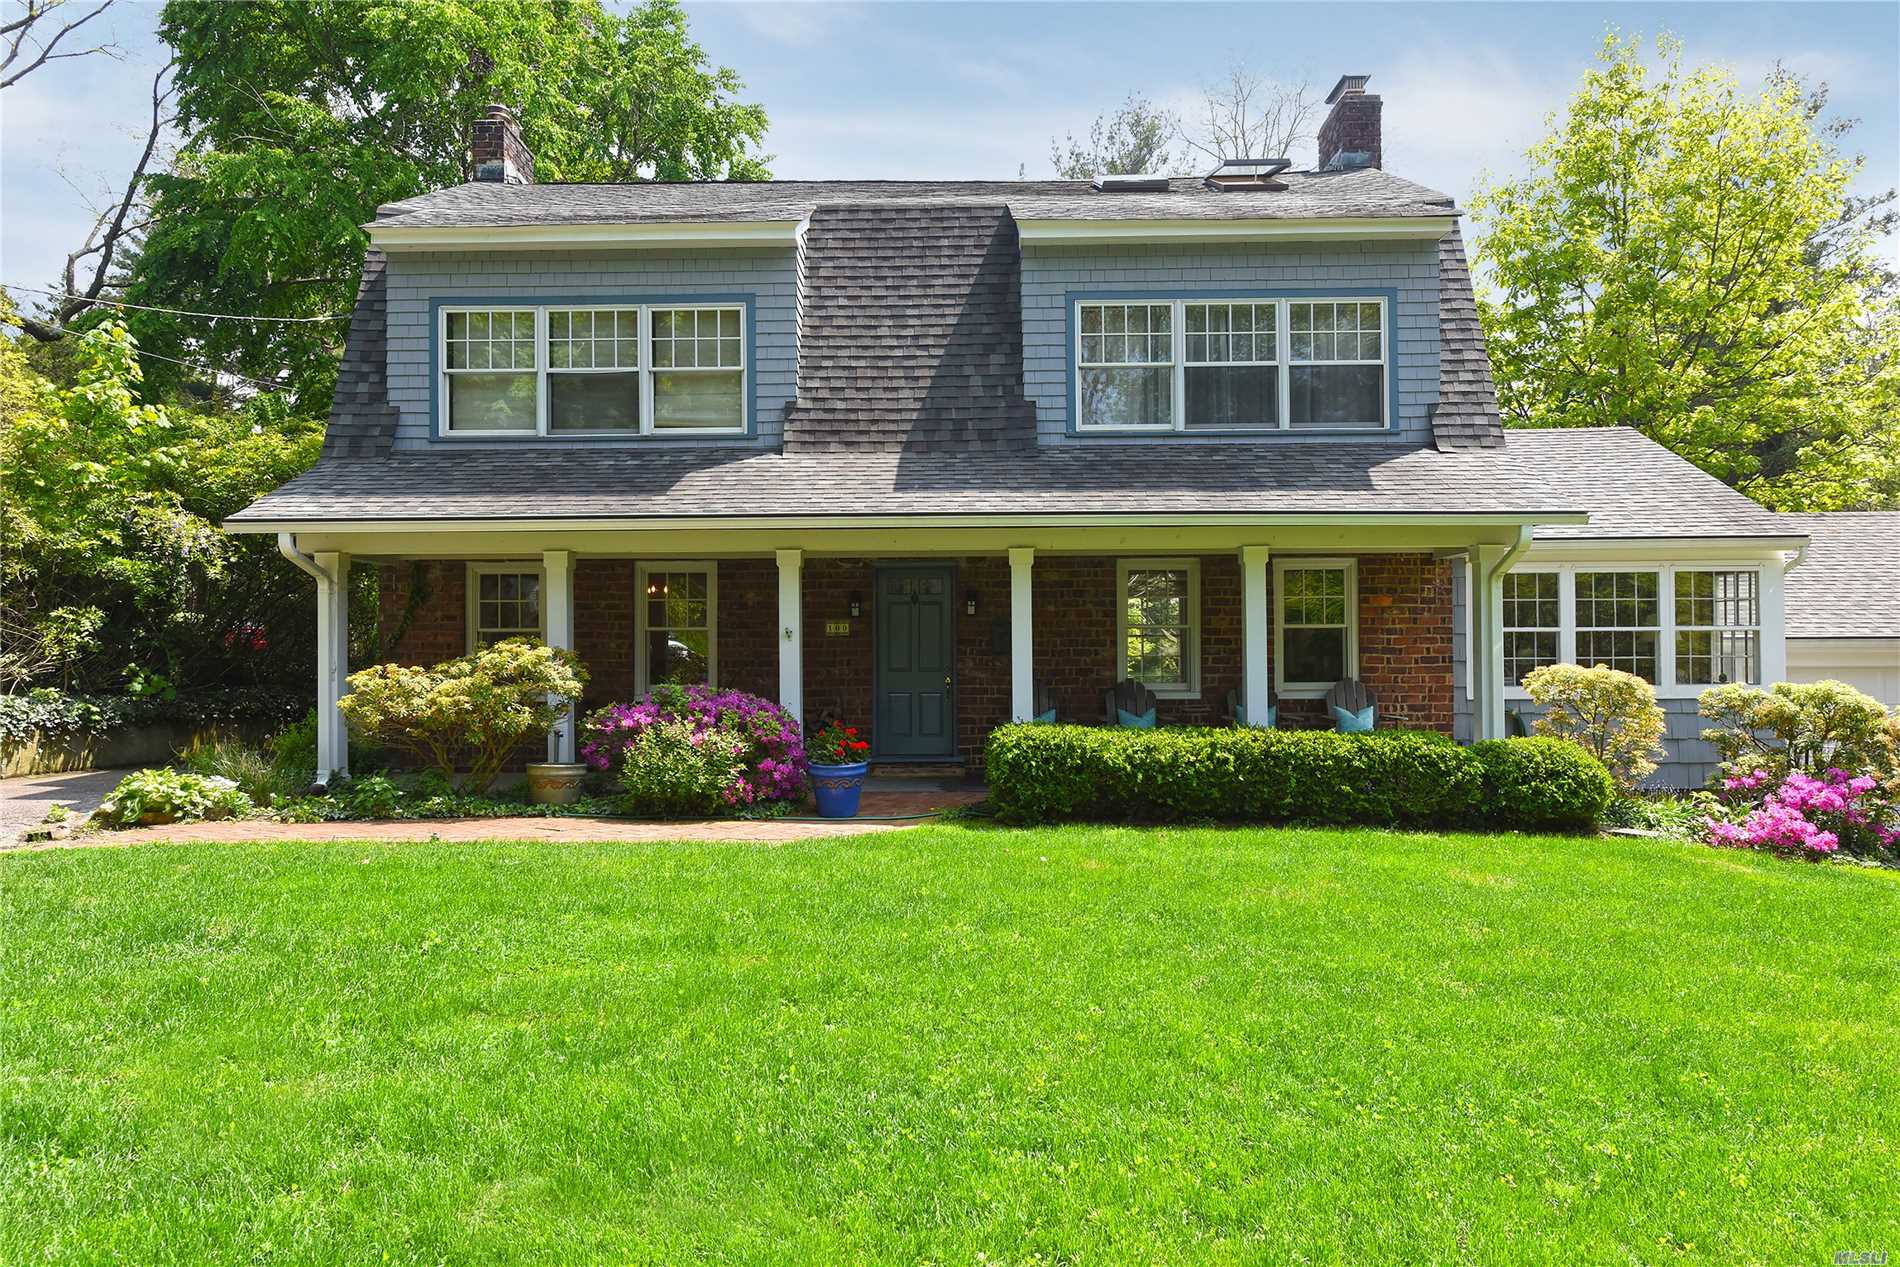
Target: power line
{"type": "Point", "coordinates": [176, 312]}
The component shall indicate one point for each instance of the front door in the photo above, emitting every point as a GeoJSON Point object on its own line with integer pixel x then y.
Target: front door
{"type": "Point", "coordinates": [915, 663]}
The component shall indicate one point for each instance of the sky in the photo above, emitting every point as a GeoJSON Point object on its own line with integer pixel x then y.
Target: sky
{"type": "Point", "coordinates": [968, 90]}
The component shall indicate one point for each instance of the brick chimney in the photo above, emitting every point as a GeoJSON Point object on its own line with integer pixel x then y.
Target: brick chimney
{"type": "Point", "coordinates": [1350, 135]}
{"type": "Point", "coordinates": [496, 151]}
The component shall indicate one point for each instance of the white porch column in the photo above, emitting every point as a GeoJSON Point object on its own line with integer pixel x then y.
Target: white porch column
{"type": "Point", "coordinates": [791, 645]}
{"type": "Point", "coordinates": [1487, 639]}
{"type": "Point", "coordinates": [557, 572]}
{"type": "Point", "coordinates": [1022, 645]}
{"type": "Point", "coordinates": [1774, 628]}
{"type": "Point", "coordinates": [1256, 671]}
{"type": "Point", "coordinates": [333, 665]}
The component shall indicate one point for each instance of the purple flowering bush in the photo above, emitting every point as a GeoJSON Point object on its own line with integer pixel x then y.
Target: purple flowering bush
{"type": "Point", "coordinates": [770, 750]}
{"type": "Point", "coordinates": [1804, 815]}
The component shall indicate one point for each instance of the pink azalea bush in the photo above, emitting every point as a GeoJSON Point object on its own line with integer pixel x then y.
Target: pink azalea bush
{"type": "Point", "coordinates": [1802, 814]}
{"type": "Point", "coordinates": [772, 751]}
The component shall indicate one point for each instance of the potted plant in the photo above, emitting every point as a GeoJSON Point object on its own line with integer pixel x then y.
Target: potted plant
{"type": "Point", "coordinates": [837, 770]}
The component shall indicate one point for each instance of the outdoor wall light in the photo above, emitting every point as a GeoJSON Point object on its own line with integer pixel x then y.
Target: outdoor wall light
{"type": "Point", "coordinates": [857, 603]}
{"type": "Point", "coordinates": [969, 603]}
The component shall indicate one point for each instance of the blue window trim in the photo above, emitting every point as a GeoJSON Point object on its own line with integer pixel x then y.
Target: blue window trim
{"type": "Point", "coordinates": [1096, 293]}
{"type": "Point", "coordinates": [745, 299]}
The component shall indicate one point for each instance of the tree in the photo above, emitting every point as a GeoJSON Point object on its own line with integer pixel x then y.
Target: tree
{"type": "Point", "coordinates": [36, 34]}
{"type": "Point", "coordinates": [301, 117]}
{"type": "Point", "coordinates": [1131, 140]}
{"type": "Point", "coordinates": [1250, 116]}
{"type": "Point", "coordinates": [1685, 257]}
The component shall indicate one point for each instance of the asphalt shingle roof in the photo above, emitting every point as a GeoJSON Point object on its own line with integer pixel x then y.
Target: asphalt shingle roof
{"type": "Point", "coordinates": [1467, 411]}
{"type": "Point", "coordinates": [1178, 480]}
{"type": "Point", "coordinates": [362, 421]}
{"type": "Point", "coordinates": [1634, 488]}
{"type": "Point", "coordinates": [1848, 585]}
{"type": "Point", "coordinates": [1361, 192]}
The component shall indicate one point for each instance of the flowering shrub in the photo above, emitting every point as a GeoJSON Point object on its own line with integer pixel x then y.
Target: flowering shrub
{"type": "Point", "coordinates": [1802, 814]}
{"type": "Point", "coordinates": [772, 757]}
{"type": "Point", "coordinates": [1805, 726]}
{"type": "Point", "coordinates": [484, 705]}
{"type": "Point", "coordinates": [838, 744]}
{"type": "Point", "coordinates": [171, 796]}
{"type": "Point", "coordinates": [673, 770]}
{"type": "Point", "coordinates": [1611, 714]}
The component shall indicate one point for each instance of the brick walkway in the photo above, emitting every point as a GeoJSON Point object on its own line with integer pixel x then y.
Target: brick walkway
{"type": "Point", "coordinates": [919, 805]}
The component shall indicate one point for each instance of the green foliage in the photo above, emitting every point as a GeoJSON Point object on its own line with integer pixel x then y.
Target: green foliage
{"type": "Point", "coordinates": [1610, 714]}
{"type": "Point", "coordinates": [244, 765]}
{"type": "Point", "coordinates": [1541, 784]}
{"type": "Point", "coordinates": [672, 770]}
{"type": "Point", "coordinates": [1805, 726]}
{"type": "Point", "coordinates": [1041, 773]}
{"type": "Point", "coordinates": [1132, 140]}
{"type": "Point", "coordinates": [171, 796]}
{"type": "Point", "coordinates": [301, 117]}
{"type": "Point", "coordinates": [483, 705]}
{"type": "Point", "coordinates": [1677, 816]}
{"type": "Point", "coordinates": [58, 715]}
{"type": "Point", "coordinates": [116, 569]}
{"type": "Point", "coordinates": [1686, 258]}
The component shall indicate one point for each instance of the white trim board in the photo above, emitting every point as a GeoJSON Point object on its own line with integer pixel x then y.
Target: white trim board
{"type": "Point", "coordinates": [1413, 228]}
{"type": "Point", "coordinates": [394, 235]}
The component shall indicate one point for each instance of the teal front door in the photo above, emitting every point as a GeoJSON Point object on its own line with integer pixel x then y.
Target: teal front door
{"type": "Point", "coordinates": [916, 699]}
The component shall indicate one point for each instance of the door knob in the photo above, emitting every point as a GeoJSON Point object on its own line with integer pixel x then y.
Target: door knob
{"type": "Point", "coordinates": [946, 679]}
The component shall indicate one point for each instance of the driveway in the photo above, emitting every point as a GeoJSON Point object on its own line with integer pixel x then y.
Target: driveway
{"type": "Point", "coordinates": [25, 800]}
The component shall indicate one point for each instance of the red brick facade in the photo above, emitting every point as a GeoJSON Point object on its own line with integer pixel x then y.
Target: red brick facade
{"type": "Point", "coordinates": [1405, 635]}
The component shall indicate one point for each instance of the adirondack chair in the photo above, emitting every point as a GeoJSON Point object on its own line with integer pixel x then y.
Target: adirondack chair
{"type": "Point", "coordinates": [1125, 697]}
{"type": "Point", "coordinates": [1230, 709]}
{"type": "Point", "coordinates": [1514, 724]}
{"type": "Point", "coordinates": [1045, 702]}
{"type": "Point", "coordinates": [1351, 694]}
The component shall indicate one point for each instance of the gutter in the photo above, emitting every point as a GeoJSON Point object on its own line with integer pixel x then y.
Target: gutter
{"type": "Point", "coordinates": [1800, 556]}
{"type": "Point", "coordinates": [287, 546]}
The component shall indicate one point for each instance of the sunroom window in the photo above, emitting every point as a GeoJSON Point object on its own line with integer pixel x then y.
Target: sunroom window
{"type": "Point", "coordinates": [1241, 364]}
{"type": "Point", "coordinates": [1532, 623]}
{"type": "Point", "coordinates": [1718, 628]}
{"type": "Point", "coordinates": [1619, 621]}
{"type": "Point", "coordinates": [621, 369]}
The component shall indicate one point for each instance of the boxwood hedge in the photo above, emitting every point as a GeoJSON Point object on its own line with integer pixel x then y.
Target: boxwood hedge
{"type": "Point", "coordinates": [1040, 773]}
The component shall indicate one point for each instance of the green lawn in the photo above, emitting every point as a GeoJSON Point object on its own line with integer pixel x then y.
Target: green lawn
{"type": "Point", "coordinates": [956, 1045]}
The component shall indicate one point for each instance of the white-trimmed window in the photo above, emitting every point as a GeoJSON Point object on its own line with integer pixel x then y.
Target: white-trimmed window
{"type": "Point", "coordinates": [612, 369]}
{"type": "Point", "coordinates": [1316, 634]}
{"type": "Point", "coordinates": [1533, 623]}
{"type": "Point", "coordinates": [1241, 364]}
{"type": "Point", "coordinates": [1718, 627]}
{"type": "Point", "coordinates": [1680, 627]}
{"type": "Point", "coordinates": [1157, 635]}
{"type": "Point", "coordinates": [504, 601]}
{"type": "Point", "coordinates": [678, 624]}
{"type": "Point", "coordinates": [1619, 621]}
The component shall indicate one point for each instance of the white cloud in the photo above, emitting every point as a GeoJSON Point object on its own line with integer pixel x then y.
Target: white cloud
{"type": "Point", "coordinates": [1452, 113]}
{"type": "Point", "coordinates": [797, 25]}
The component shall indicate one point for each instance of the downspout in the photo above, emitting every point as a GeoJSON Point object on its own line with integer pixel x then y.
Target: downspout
{"type": "Point", "coordinates": [1495, 573]}
{"type": "Point", "coordinates": [287, 546]}
{"type": "Point", "coordinates": [1800, 554]}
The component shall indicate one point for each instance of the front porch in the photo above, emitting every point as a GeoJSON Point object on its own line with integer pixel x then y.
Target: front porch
{"type": "Point", "coordinates": [926, 646]}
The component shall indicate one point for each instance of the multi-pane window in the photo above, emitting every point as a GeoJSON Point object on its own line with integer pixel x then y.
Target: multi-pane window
{"type": "Point", "coordinates": [489, 369]}
{"type": "Point", "coordinates": [698, 368]}
{"type": "Point", "coordinates": [1336, 376]}
{"type": "Point", "coordinates": [1158, 601]}
{"type": "Point", "coordinates": [575, 371]}
{"type": "Point", "coordinates": [1533, 618]}
{"type": "Point", "coordinates": [1232, 365]}
{"type": "Point", "coordinates": [1619, 621]}
{"type": "Point", "coordinates": [503, 604]}
{"type": "Point", "coordinates": [1243, 364]}
{"type": "Point", "coordinates": [1718, 628]}
{"type": "Point", "coordinates": [676, 625]}
{"type": "Point", "coordinates": [1126, 373]}
{"type": "Point", "coordinates": [1315, 624]}
{"type": "Point", "coordinates": [593, 370]}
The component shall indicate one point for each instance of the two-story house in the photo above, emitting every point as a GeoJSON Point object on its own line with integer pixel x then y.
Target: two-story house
{"type": "Point", "coordinates": [935, 455]}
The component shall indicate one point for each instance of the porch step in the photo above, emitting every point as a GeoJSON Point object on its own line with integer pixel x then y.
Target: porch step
{"type": "Point", "coordinates": [916, 771]}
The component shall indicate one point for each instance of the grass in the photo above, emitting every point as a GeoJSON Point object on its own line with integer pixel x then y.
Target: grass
{"type": "Point", "coordinates": [955, 1045]}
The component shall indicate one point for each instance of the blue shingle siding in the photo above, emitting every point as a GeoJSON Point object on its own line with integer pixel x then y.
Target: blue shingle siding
{"type": "Point", "coordinates": [1051, 273]}
{"type": "Point", "coordinates": [415, 281]}
{"type": "Point", "coordinates": [1688, 759]}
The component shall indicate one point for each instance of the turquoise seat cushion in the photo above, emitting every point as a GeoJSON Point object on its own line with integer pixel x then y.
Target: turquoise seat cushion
{"type": "Point", "coordinates": [1354, 723]}
{"type": "Point", "coordinates": [1049, 716]}
{"type": "Point", "coordinates": [1137, 721]}
{"type": "Point", "coordinates": [1240, 715]}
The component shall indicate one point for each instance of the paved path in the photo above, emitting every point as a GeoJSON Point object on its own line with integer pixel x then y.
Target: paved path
{"type": "Point", "coordinates": [918, 805]}
{"type": "Point", "coordinates": [24, 801]}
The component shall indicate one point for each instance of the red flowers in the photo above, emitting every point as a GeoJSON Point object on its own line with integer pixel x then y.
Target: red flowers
{"type": "Point", "coordinates": [837, 745]}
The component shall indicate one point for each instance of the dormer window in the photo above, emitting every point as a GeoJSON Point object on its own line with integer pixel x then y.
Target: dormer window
{"type": "Point", "coordinates": [1242, 364]}
{"type": "Point", "coordinates": [615, 370]}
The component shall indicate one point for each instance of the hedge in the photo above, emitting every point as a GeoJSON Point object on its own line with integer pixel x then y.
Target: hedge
{"type": "Point", "coordinates": [54, 713]}
{"type": "Point", "coordinates": [1040, 773]}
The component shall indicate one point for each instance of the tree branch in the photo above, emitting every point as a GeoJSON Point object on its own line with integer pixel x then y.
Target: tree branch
{"type": "Point", "coordinates": [21, 30]}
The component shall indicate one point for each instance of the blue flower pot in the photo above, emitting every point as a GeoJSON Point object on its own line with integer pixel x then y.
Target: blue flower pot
{"type": "Point", "coordinates": [836, 788]}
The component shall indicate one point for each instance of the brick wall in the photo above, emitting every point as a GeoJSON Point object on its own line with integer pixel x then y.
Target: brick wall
{"type": "Point", "coordinates": [424, 612]}
{"type": "Point", "coordinates": [1405, 628]}
{"type": "Point", "coordinates": [838, 668]}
